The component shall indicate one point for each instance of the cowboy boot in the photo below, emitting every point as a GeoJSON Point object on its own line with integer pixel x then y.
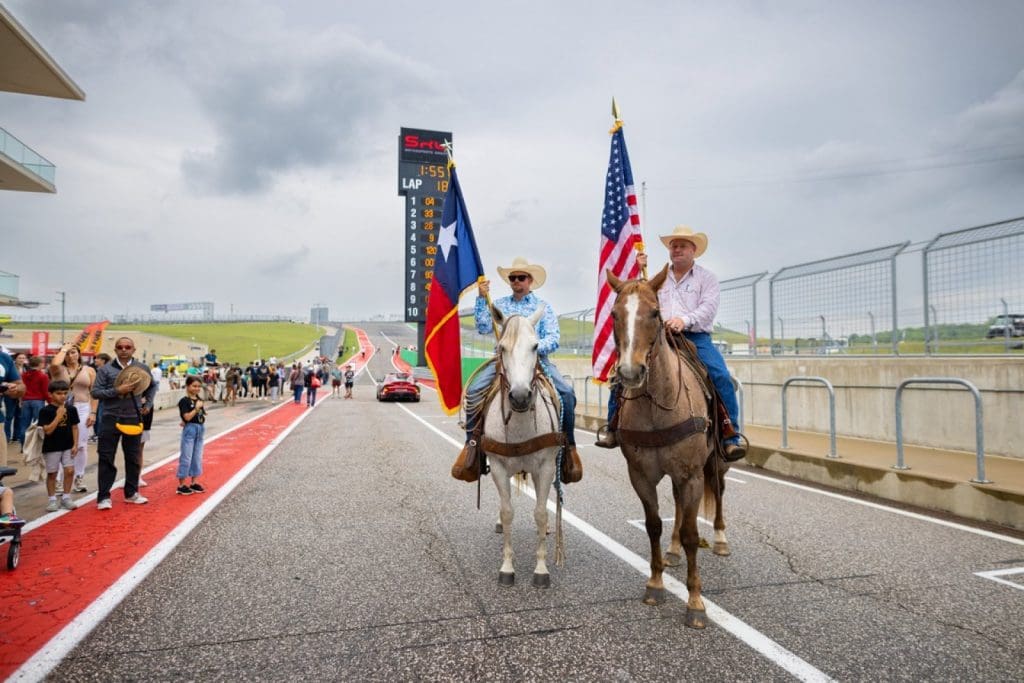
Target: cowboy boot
{"type": "Point", "coordinates": [735, 451]}
{"type": "Point", "coordinates": [607, 437]}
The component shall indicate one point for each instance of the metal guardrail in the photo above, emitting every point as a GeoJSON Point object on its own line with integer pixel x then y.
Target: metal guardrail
{"type": "Point", "coordinates": [979, 433]}
{"type": "Point", "coordinates": [587, 381]}
{"type": "Point", "coordinates": [831, 410]}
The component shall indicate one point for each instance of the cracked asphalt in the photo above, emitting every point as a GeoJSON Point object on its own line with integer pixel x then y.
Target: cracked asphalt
{"type": "Point", "coordinates": [351, 554]}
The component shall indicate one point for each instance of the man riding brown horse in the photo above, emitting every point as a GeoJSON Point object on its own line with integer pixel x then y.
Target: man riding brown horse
{"type": "Point", "coordinates": [688, 302]}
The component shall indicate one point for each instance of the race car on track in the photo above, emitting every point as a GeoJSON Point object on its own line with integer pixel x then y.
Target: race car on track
{"type": "Point", "coordinates": [398, 386]}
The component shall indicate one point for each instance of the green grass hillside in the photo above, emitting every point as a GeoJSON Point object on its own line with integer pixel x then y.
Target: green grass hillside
{"type": "Point", "coordinates": [236, 342]}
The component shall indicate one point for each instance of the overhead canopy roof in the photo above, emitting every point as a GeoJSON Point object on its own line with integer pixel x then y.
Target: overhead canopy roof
{"type": "Point", "coordinates": [25, 67]}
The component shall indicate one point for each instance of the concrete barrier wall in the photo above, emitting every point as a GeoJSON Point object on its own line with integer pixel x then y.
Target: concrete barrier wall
{"type": "Point", "coordinates": [937, 416]}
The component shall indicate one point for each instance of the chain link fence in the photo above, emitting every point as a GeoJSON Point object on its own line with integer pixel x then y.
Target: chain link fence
{"type": "Point", "coordinates": [973, 302]}
{"type": "Point", "coordinates": [974, 289]}
{"type": "Point", "coordinates": [821, 306]}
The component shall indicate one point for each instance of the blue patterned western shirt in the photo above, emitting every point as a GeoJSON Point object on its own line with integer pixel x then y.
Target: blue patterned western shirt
{"type": "Point", "coordinates": [547, 328]}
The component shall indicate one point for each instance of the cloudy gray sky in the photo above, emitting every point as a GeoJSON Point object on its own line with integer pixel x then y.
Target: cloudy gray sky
{"type": "Point", "coordinates": [245, 152]}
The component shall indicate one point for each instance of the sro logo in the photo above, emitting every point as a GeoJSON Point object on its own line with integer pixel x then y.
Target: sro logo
{"type": "Point", "coordinates": [414, 142]}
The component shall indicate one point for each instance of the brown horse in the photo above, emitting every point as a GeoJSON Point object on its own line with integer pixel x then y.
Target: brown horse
{"type": "Point", "coordinates": [665, 429]}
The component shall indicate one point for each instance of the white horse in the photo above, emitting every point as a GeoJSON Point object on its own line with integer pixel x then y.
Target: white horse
{"type": "Point", "coordinates": [522, 433]}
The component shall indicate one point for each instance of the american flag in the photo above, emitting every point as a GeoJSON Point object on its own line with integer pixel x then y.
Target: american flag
{"type": "Point", "coordinates": [620, 230]}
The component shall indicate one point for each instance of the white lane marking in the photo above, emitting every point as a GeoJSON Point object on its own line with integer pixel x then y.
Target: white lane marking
{"type": "Point", "coordinates": [883, 508]}
{"type": "Point", "coordinates": [50, 655]}
{"type": "Point", "coordinates": [756, 640]}
{"type": "Point", "coordinates": [886, 508]}
{"type": "Point", "coordinates": [994, 575]}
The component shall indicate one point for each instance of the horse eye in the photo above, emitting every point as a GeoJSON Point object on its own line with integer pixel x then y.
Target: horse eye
{"type": "Point", "coordinates": [536, 346]}
{"type": "Point", "coordinates": [615, 314]}
{"type": "Point", "coordinates": [655, 313]}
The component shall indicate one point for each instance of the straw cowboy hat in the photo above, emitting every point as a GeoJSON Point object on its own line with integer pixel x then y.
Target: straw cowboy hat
{"type": "Point", "coordinates": [521, 265]}
{"type": "Point", "coordinates": [685, 232]}
{"type": "Point", "coordinates": [134, 373]}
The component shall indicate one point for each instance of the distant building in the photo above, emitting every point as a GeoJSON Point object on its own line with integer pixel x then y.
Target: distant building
{"type": "Point", "coordinates": [319, 315]}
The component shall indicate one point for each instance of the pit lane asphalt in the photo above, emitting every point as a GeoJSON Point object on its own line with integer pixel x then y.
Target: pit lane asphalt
{"type": "Point", "coordinates": [351, 554]}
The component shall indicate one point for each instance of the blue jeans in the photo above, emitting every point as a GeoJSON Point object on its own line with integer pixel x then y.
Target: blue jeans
{"type": "Point", "coordinates": [298, 393]}
{"type": "Point", "coordinates": [712, 359]}
{"type": "Point", "coordinates": [311, 396]}
{"type": "Point", "coordinates": [29, 413]}
{"type": "Point", "coordinates": [190, 459]}
{"type": "Point", "coordinates": [482, 380]}
{"type": "Point", "coordinates": [12, 417]}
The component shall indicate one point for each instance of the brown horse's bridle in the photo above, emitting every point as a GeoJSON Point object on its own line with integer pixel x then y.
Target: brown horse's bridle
{"type": "Point", "coordinates": [649, 360]}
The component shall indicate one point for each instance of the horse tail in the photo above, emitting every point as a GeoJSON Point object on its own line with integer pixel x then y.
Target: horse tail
{"type": "Point", "coordinates": [707, 502]}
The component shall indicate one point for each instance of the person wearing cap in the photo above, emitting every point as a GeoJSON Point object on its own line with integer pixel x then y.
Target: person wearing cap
{"type": "Point", "coordinates": [689, 301]}
{"type": "Point", "coordinates": [523, 277]}
{"type": "Point", "coordinates": [119, 403]}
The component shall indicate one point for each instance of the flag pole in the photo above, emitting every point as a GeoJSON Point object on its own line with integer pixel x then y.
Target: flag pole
{"type": "Point", "coordinates": [639, 246]}
{"type": "Point", "coordinates": [449, 149]}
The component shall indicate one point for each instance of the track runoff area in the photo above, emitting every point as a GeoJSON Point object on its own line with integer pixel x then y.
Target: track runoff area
{"type": "Point", "coordinates": [76, 570]}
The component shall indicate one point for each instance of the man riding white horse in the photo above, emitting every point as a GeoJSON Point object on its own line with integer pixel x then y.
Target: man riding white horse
{"type": "Point", "coordinates": [522, 277]}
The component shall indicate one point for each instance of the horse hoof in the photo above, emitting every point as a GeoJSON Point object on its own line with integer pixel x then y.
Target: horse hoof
{"type": "Point", "coordinates": [654, 596]}
{"type": "Point", "coordinates": [497, 528]}
{"type": "Point", "coordinates": [696, 618]}
{"type": "Point", "coordinates": [703, 543]}
{"type": "Point", "coordinates": [506, 579]}
{"type": "Point", "coordinates": [673, 560]}
{"type": "Point", "coordinates": [541, 580]}
{"type": "Point", "coordinates": [722, 549]}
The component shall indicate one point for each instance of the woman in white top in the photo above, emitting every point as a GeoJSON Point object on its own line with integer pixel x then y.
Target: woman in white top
{"type": "Point", "coordinates": [67, 365]}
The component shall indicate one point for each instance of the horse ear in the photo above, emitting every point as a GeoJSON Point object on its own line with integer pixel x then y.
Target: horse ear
{"type": "Point", "coordinates": [538, 314]}
{"type": "Point", "coordinates": [614, 282]}
{"type": "Point", "coordinates": [497, 316]}
{"type": "Point", "coordinates": [658, 280]}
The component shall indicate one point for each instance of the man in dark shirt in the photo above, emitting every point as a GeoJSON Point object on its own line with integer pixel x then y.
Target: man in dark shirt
{"type": "Point", "coordinates": [120, 404]}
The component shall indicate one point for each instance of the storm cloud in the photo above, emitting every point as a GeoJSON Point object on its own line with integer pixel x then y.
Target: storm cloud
{"type": "Point", "coordinates": [261, 136]}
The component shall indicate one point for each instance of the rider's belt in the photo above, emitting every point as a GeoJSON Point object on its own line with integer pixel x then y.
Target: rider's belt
{"type": "Point", "coordinates": [512, 450]}
{"type": "Point", "coordinates": [663, 437]}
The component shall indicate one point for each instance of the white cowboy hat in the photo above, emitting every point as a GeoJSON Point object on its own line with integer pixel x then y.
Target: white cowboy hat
{"type": "Point", "coordinates": [685, 232]}
{"type": "Point", "coordinates": [521, 265]}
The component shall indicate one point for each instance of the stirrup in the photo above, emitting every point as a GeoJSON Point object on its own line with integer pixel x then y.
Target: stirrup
{"type": "Point", "coordinates": [736, 451]}
{"type": "Point", "coordinates": [606, 438]}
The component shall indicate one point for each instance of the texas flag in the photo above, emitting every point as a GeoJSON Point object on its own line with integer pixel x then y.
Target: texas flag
{"type": "Point", "coordinates": [457, 267]}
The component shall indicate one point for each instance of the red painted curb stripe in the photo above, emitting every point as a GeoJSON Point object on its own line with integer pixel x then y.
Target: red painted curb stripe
{"type": "Point", "coordinates": [69, 562]}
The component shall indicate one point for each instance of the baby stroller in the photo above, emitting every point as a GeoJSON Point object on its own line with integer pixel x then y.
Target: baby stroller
{"type": "Point", "coordinates": [10, 531]}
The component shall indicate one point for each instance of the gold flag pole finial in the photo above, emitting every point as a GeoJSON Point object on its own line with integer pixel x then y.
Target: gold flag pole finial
{"type": "Point", "coordinates": [449, 149]}
{"type": "Point", "coordinates": [617, 115]}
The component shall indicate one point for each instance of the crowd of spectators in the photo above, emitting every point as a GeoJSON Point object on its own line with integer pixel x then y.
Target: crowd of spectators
{"type": "Point", "coordinates": [26, 391]}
